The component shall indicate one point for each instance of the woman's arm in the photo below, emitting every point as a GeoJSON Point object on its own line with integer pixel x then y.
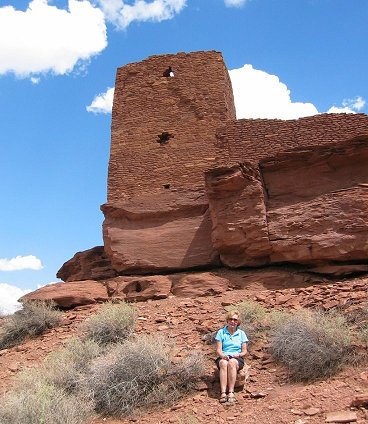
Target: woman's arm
{"type": "Point", "coordinates": [219, 349]}
{"type": "Point", "coordinates": [244, 350]}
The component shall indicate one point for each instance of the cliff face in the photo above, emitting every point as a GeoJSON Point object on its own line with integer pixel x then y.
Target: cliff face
{"type": "Point", "coordinates": [291, 191]}
{"type": "Point", "coordinates": [190, 186]}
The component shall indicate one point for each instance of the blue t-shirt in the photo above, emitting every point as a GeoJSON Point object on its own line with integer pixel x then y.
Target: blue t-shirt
{"type": "Point", "coordinates": [231, 343]}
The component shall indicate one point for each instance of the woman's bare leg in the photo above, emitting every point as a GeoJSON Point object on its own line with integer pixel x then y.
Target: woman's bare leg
{"type": "Point", "coordinates": [232, 370]}
{"type": "Point", "coordinates": [223, 375]}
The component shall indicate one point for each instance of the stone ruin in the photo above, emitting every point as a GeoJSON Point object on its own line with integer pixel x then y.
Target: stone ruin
{"type": "Point", "coordinates": [190, 187]}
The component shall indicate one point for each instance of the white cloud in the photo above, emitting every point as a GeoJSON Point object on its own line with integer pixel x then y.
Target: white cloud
{"type": "Point", "coordinates": [9, 296]}
{"type": "Point", "coordinates": [349, 106]}
{"type": "Point", "coordinates": [122, 14]}
{"type": "Point", "coordinates": [234, 3]}
{"type": "Point", "coordinates": [102, 103]}
{"type": "Point", "coordinates": [47, 39]}
{"type": "Point", "coordinates": [20, 262]}
{"type": "Point", "coordinates": [258, 94]}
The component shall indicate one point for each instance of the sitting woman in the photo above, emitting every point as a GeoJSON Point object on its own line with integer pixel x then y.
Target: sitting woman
{"type": "Point", "coordinates": [231, 347]}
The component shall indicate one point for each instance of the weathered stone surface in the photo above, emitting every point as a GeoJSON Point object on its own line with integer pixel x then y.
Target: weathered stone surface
{"type": "Point", "coordinates": [339, 269]}
{"type": "Point", "coordinates": [202, 284]}
{"type": "Point", "coordinates": [147, 238]}
{"type": "Point", "coordinates": [341, 417]}
{"type": "Point", "coordinates": [238, 213]}
{"type": "Point", "coordinates": [92, 264]}
{"type": "Point", "coordinates": [332, 227]}
{"type": "Point", "coordinates": [139, 288]}
{"type": "Point", "coordinates": [324, 220]}
{"type": "Point", "coordinates": [276, 278]}
{"type": "Point", "coordinates": [306, 206]}
{"type": "Point", "coordinates": [70, 294]}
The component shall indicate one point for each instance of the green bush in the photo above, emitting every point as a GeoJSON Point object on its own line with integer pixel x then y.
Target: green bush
{"type": "Point", "coordinates": [112, 324]}
{"type": "Point", "coordinates": [139, 373]}
{"type": "Point", "coordinates": [311, 344]}
{"type": "Point", "coordinates": [44, 403]}
{"type": "Point", "coordinates": [32, 320]}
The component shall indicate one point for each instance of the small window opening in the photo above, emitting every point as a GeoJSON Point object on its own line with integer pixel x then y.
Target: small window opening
{"type": "Point", "coordinates": [164, 138]}
{"type": "Point", "coordinates": [167, 186]}
{"type": "Point", "coordinates": [168, 72]}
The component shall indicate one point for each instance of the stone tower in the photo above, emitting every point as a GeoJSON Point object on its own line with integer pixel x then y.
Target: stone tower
{"type": "Point", "coordinates": [159, 124]}
{"type": "Point", "coordinates": [163, 139]}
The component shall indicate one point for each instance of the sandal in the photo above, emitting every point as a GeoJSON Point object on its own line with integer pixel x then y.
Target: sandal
{"type": "Point", "coordinates": [223, 397]}
{"type": "Point", "coordinates": [231, 398]}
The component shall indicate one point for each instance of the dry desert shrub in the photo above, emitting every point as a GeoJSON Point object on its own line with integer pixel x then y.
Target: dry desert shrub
{"type": "Point", "coordinates": [252, 316]}
{"type": "Point", "coordinates": [312, 344]}
{"type": "Point", "coordinates": [139, 373]}
{"type": "Point", "coordinates": [32, 320]}
{"type": "Point", "coordinates": [43, 403]}
{"type": "Point", "coordinates": [363, 336]}
{"type": "Point", "coordinates": [66, 367]}
{"type": "Point", "coordinates": [358, 318]}
{"type": "Point", "coordinates": [112, 324]}
{"type": "Point", "coordinates": [276, 317]}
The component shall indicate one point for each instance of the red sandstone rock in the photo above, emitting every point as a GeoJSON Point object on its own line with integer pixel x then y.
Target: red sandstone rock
{"type": "Point", "coordinates": [341, 417]}
{"type": "Point", "coordinates": [272, 278]}
{"type": "Point", "coordinates": [360, 400]}
{"type": "Point", "coordinates": [203, 284]}
{"type": "Point", "coordinates": [92, 264]}
{"type": "Point", "coordinates": [330, 227]}
{"type": "Point", "coordinates": [238, 213]}
{"type": "Point", "coordinates": [71, 294]}
{"type": "Point", "coordinates": [139, 288]}
{"type": "Point", "coordinates": [308, 205]}
{"type": "Point", "coordinates": [150, 238]}
{"type": "Point", "coordinates": [338, 270]}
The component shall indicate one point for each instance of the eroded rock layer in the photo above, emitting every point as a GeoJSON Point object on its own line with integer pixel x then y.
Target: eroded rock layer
{"type": "Point", "coordinates": [305, 199]}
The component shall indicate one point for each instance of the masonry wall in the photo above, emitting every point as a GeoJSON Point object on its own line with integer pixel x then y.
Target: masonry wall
{"type": "Point", "coordinates": [189, 107]}
{"type": "Point", "coordinates": [255, 140]}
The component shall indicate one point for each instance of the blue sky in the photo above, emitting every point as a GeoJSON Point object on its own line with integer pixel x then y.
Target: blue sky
{"type": "Point", "coordinates": [287, 59]}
